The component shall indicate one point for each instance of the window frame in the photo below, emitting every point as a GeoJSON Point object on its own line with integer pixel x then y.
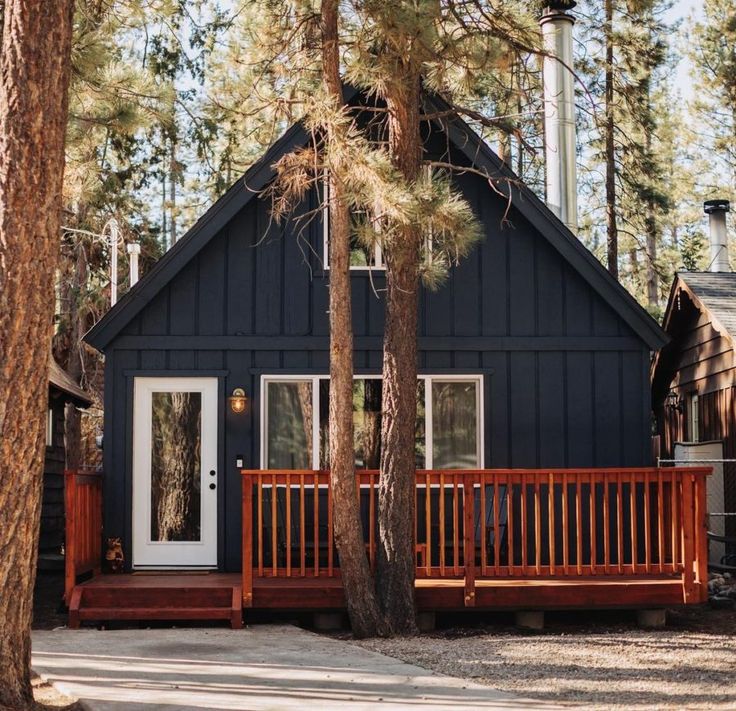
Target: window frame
{"type": "Point", "coordinates": [428, 378]}
{"type": "Point", "coordinates": [50, 422]}
{"type": "Point", "coordinates": [693, 417]}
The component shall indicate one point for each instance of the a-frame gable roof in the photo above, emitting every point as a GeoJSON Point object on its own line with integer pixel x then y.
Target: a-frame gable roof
{"type": "Point", "coordinates": [464, 139]}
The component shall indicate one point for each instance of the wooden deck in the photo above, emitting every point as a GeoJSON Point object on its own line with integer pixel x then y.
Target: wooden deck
{"type": "Point", "coordinates": [487, 539]}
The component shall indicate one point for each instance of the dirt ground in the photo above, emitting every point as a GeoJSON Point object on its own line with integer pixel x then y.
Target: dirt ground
{"type": "Point", "coordinates": [599, 660]}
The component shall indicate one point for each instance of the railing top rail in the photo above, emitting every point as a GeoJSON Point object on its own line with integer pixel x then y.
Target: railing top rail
{"type": "Point", "coordinates": [598, 471]}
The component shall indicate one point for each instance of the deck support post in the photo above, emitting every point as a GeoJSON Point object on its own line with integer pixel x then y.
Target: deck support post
{"type": "Point", "coordinates": [326, 621]}
{"type": "Point", "coordinates": [426, 621]}
{"type": "Point", "coordinates": [530, 619]}
{"type": "Point", "coordinates": [651, 619]}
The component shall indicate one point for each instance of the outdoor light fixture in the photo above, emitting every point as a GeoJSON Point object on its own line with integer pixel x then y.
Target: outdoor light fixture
{"type": "Point", "coordinates": [673, 401]}
{"type": "Point", "coordinates": [237, 400]}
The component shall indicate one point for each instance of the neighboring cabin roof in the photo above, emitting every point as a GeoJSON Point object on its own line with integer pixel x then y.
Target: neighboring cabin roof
{"type": "Point", "coordinates": [464, 139]}
{"type": "Point", "coordinates": [62, 381]}
{"type": "Point", "coordinates": [717, 292]}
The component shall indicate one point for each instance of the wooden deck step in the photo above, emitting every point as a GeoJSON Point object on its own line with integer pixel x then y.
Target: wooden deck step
{"type": "Point", "coordinates": [158, 597]}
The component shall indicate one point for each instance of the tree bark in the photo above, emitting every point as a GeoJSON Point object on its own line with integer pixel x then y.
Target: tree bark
{"type": "Point", "coordinates": [358, 584]}
{"type": "Point", "coordinates": [610, 149]}
{"type": "Point", "coordinates": [34, 80]}
{"type": "Point", "coordinates": [396, 504]}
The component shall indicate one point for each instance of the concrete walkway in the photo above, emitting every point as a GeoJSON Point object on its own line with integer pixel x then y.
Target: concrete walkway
{"type": "Point", "coordinates": [263, 668]}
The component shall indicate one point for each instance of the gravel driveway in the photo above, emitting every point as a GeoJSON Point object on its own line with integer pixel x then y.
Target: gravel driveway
{"type": "Point", "coordinates": [608, 664]}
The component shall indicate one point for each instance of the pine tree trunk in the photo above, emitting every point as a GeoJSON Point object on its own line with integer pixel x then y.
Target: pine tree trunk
{"type": "Point", "coordinates": [396, 505]}
{"type": "Point", "coordinates": [652, 239]}
{"type": "Point", "coordinates": [610, 149]}
{"type": "Point", "coordinates": [357, 580]}
{"type": "Point", "coordinates": [34, 79]}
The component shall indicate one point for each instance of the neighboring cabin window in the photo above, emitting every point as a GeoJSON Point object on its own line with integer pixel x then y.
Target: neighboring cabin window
{"type": "Point", "coordinates": [447, 435]}
{"type": "Point", "coordinates": [693, 416]}
{"type": "Point", "coordinates": [50, 428]}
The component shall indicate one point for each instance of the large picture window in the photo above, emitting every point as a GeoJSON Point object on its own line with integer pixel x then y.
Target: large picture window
{"type": "Point", "coordinates": [448, 433]}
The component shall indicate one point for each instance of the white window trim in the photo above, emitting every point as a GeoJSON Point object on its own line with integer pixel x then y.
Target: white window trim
{"type": "Point", "coordinates": [477, 378]}
{"type": "Point", "coordinates": [50, 427]}
{"type": "Point", "coordinates": [378, 264]}
{"type": "Point", "coordinates": [694, 417]}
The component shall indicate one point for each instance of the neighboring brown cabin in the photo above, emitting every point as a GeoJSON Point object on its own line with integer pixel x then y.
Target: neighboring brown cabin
{"type": "Point", "coordinates": [694, 375]}
{"type": "Point", "coordinates": [62, 390]}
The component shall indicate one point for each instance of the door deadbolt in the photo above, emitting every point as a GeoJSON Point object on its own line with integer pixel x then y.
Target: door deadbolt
{"type": "Point", "coordinates": [213, 485]}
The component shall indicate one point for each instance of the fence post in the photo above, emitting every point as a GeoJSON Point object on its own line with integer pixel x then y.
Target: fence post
{"type": "Point", "coordinates": [701, 536]}
{"type": "Point", "coordinates": [688, 543]}
{"type": "Point", "coordinates": [70, 533]}
{"type": "Point", "coordinates": [469, 540]}
{"type": "Point", "coordinates": [247, 525]}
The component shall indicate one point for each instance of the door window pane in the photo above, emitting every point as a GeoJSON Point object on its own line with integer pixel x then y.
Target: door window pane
{"type": "Point", "coordinates": [289, 440]}
{"type": "Point", "coordinates": [176, 470]}
{"type": "Point", "coordinates": [454, 425]}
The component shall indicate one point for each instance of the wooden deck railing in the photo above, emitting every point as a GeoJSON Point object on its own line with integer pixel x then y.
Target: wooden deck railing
{"type": "Point", "coordinates": [519, 523]}
{"type": "Point", "coordinates": [83, 540]}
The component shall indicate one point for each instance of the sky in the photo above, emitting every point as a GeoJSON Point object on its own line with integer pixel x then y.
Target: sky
{"type": "Point", "coordinates": [681, 10]}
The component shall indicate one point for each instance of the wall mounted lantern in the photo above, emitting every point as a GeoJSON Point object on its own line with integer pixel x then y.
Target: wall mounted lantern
{"type": "Point", "coordinates": [674, 402]}
{"type": "Point", "coordinates": [237, 401]}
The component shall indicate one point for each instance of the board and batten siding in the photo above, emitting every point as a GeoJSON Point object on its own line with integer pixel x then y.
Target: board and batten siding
{"type": "Point", "coordinates": [565, 378]}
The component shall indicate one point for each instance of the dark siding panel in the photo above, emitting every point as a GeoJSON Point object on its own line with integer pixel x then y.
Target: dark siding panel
{"type": "Point", "coordinates": [241, 258]}
{"type": "Point", "coordinates": [635, 420]}
{"type": "Point", "coordinates": [183, 301]}
{"type": "Point", "coordinates": [523, 400]}
{"type": "Point", "coordinates": [607, 409]}
{"type": "Point", "coordinates": [154, 319]}
{"type": "Point", "coordinates": [580, 414]}
{"type": "Point", "coordinates": [550, 293]}
{"type": "Point", "coordinates": [213, 277]}
{"type": "Point", "coordinates": [183, 360]}
{"type": "Point", "coordinates": [551, 409]}
{"type": "Point", "coordinates": [577, 305]}
{"type": "Point", "coordinates": [269, 286]}
{"type": "Point", "coordinates": [522, 289]}
{"type": "Point", "coordinates": [213, 360]}
{"type": "Point", "coordinates": [296, 282]}
{"type": "Point", "coordinates": [153, 360]}
{"type": "Point", "coordinates": [497, 410]}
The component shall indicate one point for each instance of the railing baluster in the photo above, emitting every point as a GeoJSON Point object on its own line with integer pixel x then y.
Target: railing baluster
{"type": "Point", "coordinates": [524, 528]}
{"type": "Point", "coordinates": [565, 527]}
{"type": "Point", "coordinates": [496, 525]}
{"type": "Point", "coordinates": [288, 525]}
{"type": "Point", "coordinates": [455, 526]}
{"type": "Point", "coordinates": [316, 524]}
{"type": "Point", "coordinates": [259, 492]}
{"type": "Point", "coordinates": [442, 524]}
{"type": "Point", "coordinates": [247, 552]}
{"type": "Point", "coordinates": [537, 526]}
{"type": "Point", "coordinates": [593, 532]}
{"type": "Point", "coordinates": [428, 524]}
{"type": "Point", "coordinates": [372, 520]}
{"type": "Point", "coordinates": [606, 526]}
{"type": "Point", "coordinates": [619, 523]}
{"type": "Point", "coordinates": [484, 528]}
{"type": "Point", "coordinates": [632, 503]}
{"type": "Point", "coordinates": [660, 522]}
{"type": "Point", "coordinates": [274, 524]}
{"type": "Point", "coordinates": [675, 492]}
{"type": "Point", "coordinates": [647, 526]}
{"type": "Point", "coordinates": [302, 529]}
{"type": "Point", "coordinates": [330, 542]}
{"type": "Point", "coordinates": [578, 523]}
{"type": "Point", "coordinates": [510, 523]}
{"type": "Point", "coordinates": [551, 522]}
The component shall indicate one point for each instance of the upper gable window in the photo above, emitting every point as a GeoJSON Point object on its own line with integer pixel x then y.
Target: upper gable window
{"type": "Point", "coordinates": [362, 257]}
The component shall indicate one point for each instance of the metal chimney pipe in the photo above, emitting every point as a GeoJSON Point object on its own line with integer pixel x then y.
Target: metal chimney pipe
{"type": "Point", "coordinates": [559, 110]}
{"type": "Point", "coordinates": [134, 249]}
{"type": "Point", "coordinates": [716, 211]}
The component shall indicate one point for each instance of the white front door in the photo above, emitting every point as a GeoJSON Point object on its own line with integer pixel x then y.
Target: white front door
{"type": "Point", "coordinates": [175, 472]}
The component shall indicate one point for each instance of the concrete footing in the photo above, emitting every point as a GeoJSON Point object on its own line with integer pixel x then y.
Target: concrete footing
{"type": "Point", "coordinates": [530, 619]}
{"type": "Point", "coordinates": [651, 619]}
{"type": "Point", "coordinates": [327, 621]}
{"type": "Point", "coordinates": [426, 621]}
